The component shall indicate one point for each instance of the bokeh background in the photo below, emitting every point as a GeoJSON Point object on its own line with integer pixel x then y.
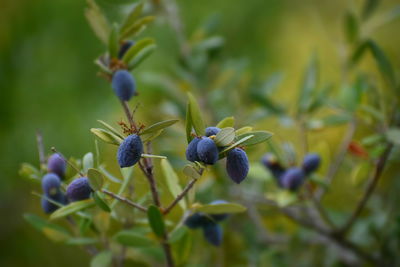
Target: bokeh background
{"type": "Point", "coordinates": [48, 82]}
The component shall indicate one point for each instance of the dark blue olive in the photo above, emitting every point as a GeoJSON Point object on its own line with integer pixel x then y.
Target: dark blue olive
{"type": "Point", "coordinates": [212, 131]}
{"type": "Point", "coordinates": [237, 165]}
{"type": "Point", "coordinates": [273, 165]}
{"type": "Point", "coordinates": [51, 184]}
{"type": "Point", "coordinates": [197, 220]}
{"type": "Point", "coordinates": [124, 47]}
{"type": "Point", "coordinates": [123, 84]}
{"type": "Point", "coordinates": [311, 163]}
{"type": "Point", "coordinates": [213, 233]}
{"type": "Point", "coordinates": [57, 165]}
{"type": "Point", "coordinates": [130, 151]}
{"type": "Point", "coordinates": [191, 150]}
{"type": "Point", "coordinates": [219, 217]}
{"type": "Point", "coordinates": [292, 179]}
{"type": "Point", "coordinates": [79, 189]}
{"type": "Point", "coordinates": [207, 151]}
{"type": "Point", "coordinates": [49, 207]}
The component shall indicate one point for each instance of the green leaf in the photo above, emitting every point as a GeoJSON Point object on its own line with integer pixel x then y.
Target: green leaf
{"type": "Point", "coordinates": [393, 135]}
{"type": "Point", "coordinates": [309, 85]}
{"type": "Point", "coordinates": [113, 43]}
{"type": "Point", "coordinates": [369, 7]}
{"type": "Point", "coordinates": [141, 56]}
{"type": "Point", "coordinates": [227, 122]}
{"type": "Point", "coordinates": [111, 129]}
{"type": "Point", "coordinates": [383, 63]}
{"type": "Point", "coordinates": [87, 161]}
{"type": "Point", "coordinates": [109, 176]}
{"type": "Point", "coordinates": [188, 124]}
{"type": "Point", "coordinates": [29, 171]}
{"type": "Point", "coordinates": [81, 241]}
{"type": "Point", "coordinates": [136, 48]}
{"type": "Point", "coordinates": [225, 137]}
{"type": "Point", "coordinates": [98, 199]}
{"type": "Point", "coordinates": [259, 137]}
{"type": "Point", "coordinates": [96, 179]}
{"type": "Point", "coordinates": [283, 198]}
{"type": "Point", "coordinates": [240, 141]}
{"type": "Point", "coordinates": [195, 114]}
{"type": "Point", "coordinates": [51, 230]}
{"type": "Point", "coordinates": [158, 126]}
{"type": "Point", "coordinates": [177, 234]}
{"type": "Point", "coordinates": [137, 27]}
{"type": "Point", "coordinates": [221, 208]}
{"type": "Point", "coordinates": [97, 21]}
{"type": "Point", "coordinates": [132, 239]}
{"type": "Point", "coordinates": [152, 136]}
{"type": "Point", "coordinates": [351, 27]}
{"type": "Point", "coordinates": [172, 180]}
{"type": "Point", "coordinates": [131, 18]}
{"type": "Point", "coordinates": [191, 171]}
{"type": "Point", "coordinates": [72, 208]}
{"type": "Point", "coordinates": [156, 220]}
{"type": "Point", "coordinates": [106, 136]}
{"type": "Point", "coordinates": [102, 259]}
{"type": "Point", "coordinates": [243, 130]}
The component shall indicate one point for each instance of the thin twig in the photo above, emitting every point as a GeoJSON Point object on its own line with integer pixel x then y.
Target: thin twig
{"type": "Point", "coordinates": [129, 114]}
{"type": "Point", "coordinates": [42, 158]}
{"type": "Point", "coordinates": [152, 183]}
{"type": "Point", "coordinates": [180, 196]}
{"type": "Point", "coordinates": [337, 162]}
{"type": "Point", "coordinates": [124, 199]}
{"type": "Point", "coordinates": [380, 165]}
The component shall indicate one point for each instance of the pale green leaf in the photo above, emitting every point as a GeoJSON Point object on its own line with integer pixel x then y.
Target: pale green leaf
{"type": "Point", "coordinates": [225, 137]}
{"type": "Point", "coordinates": [172, 180]}
{"type": "Point", "coordinates": [196, 117]}
{"type": "Point", "coordinates": [72, 208]}
{"type": "Point", "coordinates": [258, 137]}
{"type": "Point", "coordinates": [227, 122]}
{"type": "Point", "coordinates": [96, 179]}
{"type": "Point", "coordinates": [158, 126]}
{"type": "Point", "coordinates": [106, 136]}
{"type": "Point", "coordinates": [221, 208]}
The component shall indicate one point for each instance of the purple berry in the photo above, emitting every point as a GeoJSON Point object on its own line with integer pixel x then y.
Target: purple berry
{"type": "Point", "coordinates": [213, 233]}
{"type": "Point", "coordinates": [237, 165]}
{"type": "Point", "coordinates": [49, 207]}
{"type": "Point", "coordinates": [79, 189]}
{"type": "Point", "coordinates": [311, 163]}
{"type": "Point", "coordinates": [123, 84]}
{"type": "Point", "coordinates": [130, 151]}
{"type": "Point", "coordinates": [191, 150]}
{"type": "Point", "coordinates": [212, 131]}
{"type": "Point", "coordinates": [292, 179]}
{"type": "Point", "coordinates": [273, 165]}
{"type": "Point", "coordinates": [57, 165]}
{"type": "Point", "coordinates": [207, 151]}
{"type": "Point", "coordinates": [51, 184]}
{"type": "Point", "coordinates": [197, 220]}
{"type": "Point", "coordinates": [124, 47]}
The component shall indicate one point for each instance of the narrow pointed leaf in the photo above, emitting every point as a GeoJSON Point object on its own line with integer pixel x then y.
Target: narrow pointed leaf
{"type": "Point", "coordinates": [225, 137]}
{"type": "Point", "coordinates": [196, 117]}
{"type": "Point", "coordinates": [227, 122]}
{"type": "Point", "coordinates": [158, 126]}
{"type": "Point", "coordinates": [72, 208]}
{"type": "Point", "coordinates": [106, 136]}
{"type": "Point", "coordinates": [156, 220]}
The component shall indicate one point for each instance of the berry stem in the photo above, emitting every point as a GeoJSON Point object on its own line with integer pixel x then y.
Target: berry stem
{"type": "Point", "coordinates": [180, 196]}
{"type": "Point", "coordinates": [129, 115]}
{"type": "Point", "coordinates": [124, 199]}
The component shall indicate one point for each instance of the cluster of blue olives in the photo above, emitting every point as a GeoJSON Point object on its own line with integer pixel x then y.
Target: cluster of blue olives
{"type": "Point", "coordinates": [291, 178]}
{"type": "Point", "coordinates": [212, 231]}
{"type": "Point", "coordinates": [51, 184]}
{"type": "Point", "coordinates": [203, 149]}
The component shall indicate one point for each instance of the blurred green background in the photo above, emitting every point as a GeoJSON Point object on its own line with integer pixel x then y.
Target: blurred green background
{"type": "Point", "coordinates": [49, 83]}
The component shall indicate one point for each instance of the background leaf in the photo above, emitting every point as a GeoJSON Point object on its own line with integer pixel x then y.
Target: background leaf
{"type": "Point", "coordinates": [156, 220]}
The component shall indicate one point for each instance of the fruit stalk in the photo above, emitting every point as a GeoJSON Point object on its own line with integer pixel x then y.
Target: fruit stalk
{"type": "Point", "coordinates": [180, 196]}
{"type": "Point", "coordinates": [123, 199]}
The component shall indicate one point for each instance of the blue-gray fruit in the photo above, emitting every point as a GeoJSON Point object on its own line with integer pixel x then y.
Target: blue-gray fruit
{"type": "Point", "coordinates": [56, 164]}
{"type": "Point", "coordinates": [79, 189]}
{"type": "Point", "coordinates": [207, 151]}
{"type": "Point", "coordinates": [51, 184]}
{"type": "Point", "coordinates": [212, 131]}
{"type": "Point", "coordinates": [191, 150]}
{"type": "Point", "coordinates": [273, 165]}
{"type": "Point", "coordinates": [219, 217]}
{"type": "Point", "coordinates": [311, 163]}
{"type": "Point", "coordinates": [213, 233]}
{"type": "Point", "coordinates": [130, 151]}
{"type": "Point", "coordinates": [49, 207]}
{"type": "Point", "coordinates": [124, 47]}
{"type": "Point", "coordinates": [123, 84]}
{"type": "Point", "coordinates": [292, 179]}
{"type": "Point", "coordinates": [197, 220]}
{"type": "Point", "coordinates": [237, 165]}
